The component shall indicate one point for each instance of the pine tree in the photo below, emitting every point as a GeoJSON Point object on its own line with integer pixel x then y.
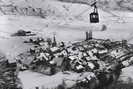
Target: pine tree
{"type": "Point", "coordinates": [54, 42]}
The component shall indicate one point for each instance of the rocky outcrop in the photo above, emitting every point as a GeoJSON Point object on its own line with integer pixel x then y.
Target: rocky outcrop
{"type": "Point", "coordinates": [8, 75]}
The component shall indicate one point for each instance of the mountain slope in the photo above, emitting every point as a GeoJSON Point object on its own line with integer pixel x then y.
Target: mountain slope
{"type": "Point", "coordinates": [107, 4]}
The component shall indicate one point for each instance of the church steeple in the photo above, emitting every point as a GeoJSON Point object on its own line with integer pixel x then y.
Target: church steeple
{"type": "Point", "coordinates": [54, 41]}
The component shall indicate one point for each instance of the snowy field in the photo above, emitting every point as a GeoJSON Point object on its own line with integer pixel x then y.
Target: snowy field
{"type": "Point", "coordinates": [65, 31]}
{"type": "Point", "coordinates": [119, 26]}
{"type": "Point", "coordinates": [30, 79]}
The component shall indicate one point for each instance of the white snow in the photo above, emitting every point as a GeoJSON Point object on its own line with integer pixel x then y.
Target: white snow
{"type": "Point", "coordinates": [31, 79]}
{"type": "Point", "coordinates": [71, 25]}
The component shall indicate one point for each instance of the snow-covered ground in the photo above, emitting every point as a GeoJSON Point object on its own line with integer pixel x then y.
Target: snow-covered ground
{"type": "Point", "coordinates": [31, 80]}
{"type": "Point", "coordinates": [127, 75]}
{"type": "Point", "coordinates": [67, 28]}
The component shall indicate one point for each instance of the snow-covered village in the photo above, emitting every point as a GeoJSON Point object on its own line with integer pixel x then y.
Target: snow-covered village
{"type": "Point", "coordinates": [66, 44]}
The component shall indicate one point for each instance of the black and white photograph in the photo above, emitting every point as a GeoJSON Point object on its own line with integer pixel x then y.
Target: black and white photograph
{"type": "Point", "coordinates": [66, 44]}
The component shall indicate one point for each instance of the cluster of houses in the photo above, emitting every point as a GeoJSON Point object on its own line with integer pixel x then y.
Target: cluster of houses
{"type": "Point", "coordinates": [89, 55]}
{"type": "Point", "coordinates": [96, 56]}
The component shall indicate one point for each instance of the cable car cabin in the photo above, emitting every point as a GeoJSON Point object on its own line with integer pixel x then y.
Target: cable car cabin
{"type": "Point", "coordinates": [94, 17]}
